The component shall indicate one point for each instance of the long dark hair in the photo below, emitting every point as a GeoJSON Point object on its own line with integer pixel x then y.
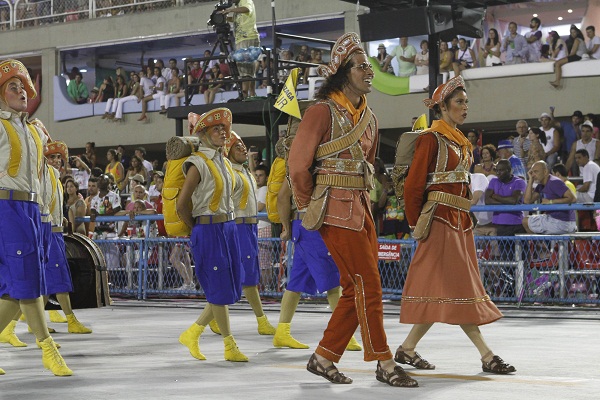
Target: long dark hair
{"type": "Point", "coordinates": [554, 35]}
{"type": "Point", "coordinates": [570, 40]}
{"type": "Point", "coordinates": [495, 41]}
{"type": "Point", "coordinates": [541, 135]}
{"type": "Point", "coordinates": [336, 82]}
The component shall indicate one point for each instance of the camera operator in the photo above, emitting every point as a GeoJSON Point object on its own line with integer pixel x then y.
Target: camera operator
{"type": "Point", "coordinates": [246, 35]}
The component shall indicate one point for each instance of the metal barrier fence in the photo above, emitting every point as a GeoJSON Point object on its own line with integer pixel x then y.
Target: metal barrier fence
{"type": "Point", "coordinates": [15, 14]}
{"type": "Point", "coordinates": [556, 269]}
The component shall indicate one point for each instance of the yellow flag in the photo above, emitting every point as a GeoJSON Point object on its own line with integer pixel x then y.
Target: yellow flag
{"type": "Point", "coordinates": [287, 100]}
{"type": "Point", "coordinates": [420, 124]}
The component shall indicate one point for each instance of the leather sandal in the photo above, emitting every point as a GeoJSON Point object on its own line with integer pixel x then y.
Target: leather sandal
{"type": "Point", "coordinates": [416, 361]}
{"type": "Point", "coordinates": [497, 366]}
{"type": "Point", "coordinates": [315, 367]}
{"type": "Point", "coordinates": [398, 378]}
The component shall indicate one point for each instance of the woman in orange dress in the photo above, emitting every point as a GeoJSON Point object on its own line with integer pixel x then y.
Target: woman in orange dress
{"type": "Point", "coordinates": [443, 282]}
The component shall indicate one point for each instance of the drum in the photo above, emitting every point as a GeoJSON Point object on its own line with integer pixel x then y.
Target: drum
{"type": "Point", "coordinates": [88, 272]}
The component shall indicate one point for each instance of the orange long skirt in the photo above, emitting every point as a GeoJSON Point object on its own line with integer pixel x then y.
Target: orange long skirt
{"type": "Point", "coordinates": [443, 282]}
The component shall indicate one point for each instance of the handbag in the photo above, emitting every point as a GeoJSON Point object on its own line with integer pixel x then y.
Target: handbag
{"type": "Point", "coordinates": [423, 226]}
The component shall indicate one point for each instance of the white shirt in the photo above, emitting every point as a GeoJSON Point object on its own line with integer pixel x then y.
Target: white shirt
{"type": "Point", "coordinates": [594, 41]}
{"type": "Point", "coordinates": [81, 176]}
{"type": "Point", "coordinates": [242, 178]}
{"type": "Point", "coordinates": [148, 165]}
{"type": "Point", "coordinates": [479, 183]}
{"type": "Point", "coordinates": [261, 197]}
{"type": "Point", "coordinates": [589, 147]}
{"type": "Point", "coordinates": [146, 84]}
{"type": "Point", "coordinates": [590, 173]}
{"type": "Point", "coordinates": [549, 139]}
{"type": "Point", "coordinates": [162, 80]}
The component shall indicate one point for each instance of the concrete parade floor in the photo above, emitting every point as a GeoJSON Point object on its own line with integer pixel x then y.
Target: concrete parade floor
{"type": "Point", "coordinates": [134, 353]}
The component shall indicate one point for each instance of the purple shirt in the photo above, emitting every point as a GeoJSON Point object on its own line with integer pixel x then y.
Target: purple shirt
{"type": "Point", "coordinates": [506, 189]}
{"type": "Point", "coordinates": [555, 189]}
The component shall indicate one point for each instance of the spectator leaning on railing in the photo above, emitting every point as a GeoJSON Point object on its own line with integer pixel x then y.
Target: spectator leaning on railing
{"type": "Point", "coordinates": [549, 190]}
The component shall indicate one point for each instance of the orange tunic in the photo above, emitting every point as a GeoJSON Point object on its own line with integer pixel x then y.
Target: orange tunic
{"type": "Point", "coordinates": [344, 207]}
{"type": "Point", "coordinates": [443, 282]}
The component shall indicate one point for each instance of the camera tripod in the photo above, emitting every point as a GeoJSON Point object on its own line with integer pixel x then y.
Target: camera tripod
{"type": "Point", "coordinates": [225, 45]}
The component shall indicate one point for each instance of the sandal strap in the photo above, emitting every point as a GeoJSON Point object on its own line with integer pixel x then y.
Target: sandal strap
{"type": "Point", "coordinates": [398, 377]}
{"type": "Point", "coordinates": [497, 364]}
{"type": "Point", "coordinates": [416, 361]}
{"type": "Point", "coordinates": [336, 376]}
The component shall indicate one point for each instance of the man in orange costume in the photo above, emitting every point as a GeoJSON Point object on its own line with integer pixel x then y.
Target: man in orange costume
{"type": "Point", "coordinates": [339, 133]}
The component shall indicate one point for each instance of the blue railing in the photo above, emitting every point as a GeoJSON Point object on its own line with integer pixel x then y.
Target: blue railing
{"type": "Point", "coordinates": [557, 269]}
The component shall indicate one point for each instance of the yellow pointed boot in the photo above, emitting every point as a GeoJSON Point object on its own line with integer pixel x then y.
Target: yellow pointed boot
{"type": "Point", "coordinates": [353, 345]}
{"type": "Point", "coordinates": [75, 326]}
{"type": "Point", "coordinates": [52, 359]}
{"type": "Point", "coordinates": [190, 337]}
{"type": "Point", "coordinates": [232, 353]}
{"type": "Point", "coordinates": [2, 371]}
{"type": "Point", "coordinates": [214, 327]}
{"type": "Point", "coordinates": [283, 338]}
{"type": "Point", "coordinates": [8, 336]}
{"type": "Point", "coordinates": [264, 326]}
{"type": "Point", "coordinates": [22, 317]}
{"type": "Point", "coordinates": [55, 316]}
{"type": "Point", "coordinates": [39, 344]}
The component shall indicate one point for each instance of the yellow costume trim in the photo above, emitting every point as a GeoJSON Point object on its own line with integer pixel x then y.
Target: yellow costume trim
{"type": "Point", "coordinates": [245, 190]}
{"type": "Point", "coordinates": [14, 161]}
{"type": "Point", "coordinates": [40, 147]}
{"type": "Point", "coordinates": [212, 167]}
{"type": "Point", "coordinates": [445, 300]}
{"type": "Point", "coordinates": [53, 182]}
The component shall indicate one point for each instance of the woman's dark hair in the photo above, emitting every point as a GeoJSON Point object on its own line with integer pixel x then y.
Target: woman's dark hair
{"type": "Point", "coordinates": [437, 110]}
{"type": "Point", "coordinates": [92, 144]}
{"type": "Point", "coordinates": [424, 41]}
{"type": "Point", "coordinates": [492, 42]}
{"type": "Point", "coordinates": [336, 82]}
{"type": "Point", "coordinates": [491, 148]}
{"type": "Point", "coordinates": [139, 162]}
{"type": "Point", "coordinates": [114, 154]}
{"type": "Point", "coordinates": [541, 136]}
{"type": "Point", "coordinates": [570, 41]}
{"type": "Point", "coordinates": [554, 35]}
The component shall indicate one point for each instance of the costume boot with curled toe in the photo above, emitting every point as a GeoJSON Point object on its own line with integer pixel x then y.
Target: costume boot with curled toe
{"type": "Point", "coordinates": [214, 327]}
{"type": "Point", "coordinates": [497, 366]}
{"type": "Point", "coordinates": [75, 326]}
{"type": "Point", "coordinates": [52, 360]}
{"type": "Point", "coordinates": [190, 337]}
{"type": "Point", "coordinates": [264, 326]}
{"type": "Point", "coordinates": [397, 378]}
{"type": "Point", "coordinates": [416, 361]}
{"type": "Point", "coordinates": [232, 353]}
{"type": "Point", "coordinates": [353, 345]}
{"type": "Point", "coordinates": [283, 338]}
{"type": "Point", "coordinates": [330, 373]}
{"type": "Point", "coordinates": [55, 316]}
{"type": "Point", "coordinates": [8, 336]}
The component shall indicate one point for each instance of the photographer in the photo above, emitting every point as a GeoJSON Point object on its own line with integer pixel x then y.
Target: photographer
{"type": "Point", "coordinates": [246, 35]}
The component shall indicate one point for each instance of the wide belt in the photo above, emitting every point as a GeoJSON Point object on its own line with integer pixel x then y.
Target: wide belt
{"type": "Point", "coordinates": [7, 194]}
{"type": "Point", "coordinates": [299, 215]}
{"type": "Point", "coordinates": [46, 218]}
{"type": "Point", "coordinates": [246, 220]}
{"type": "Point", "coordinates": [450, 200]}
{"type": "Point", "coordinates": [342, 181]}
{"type": "Point", "coordinates": [58, 229]}
{"type": "Point", "coordinates": [342, 165]}
{"type": "Point", "coordinates": [213, 219]}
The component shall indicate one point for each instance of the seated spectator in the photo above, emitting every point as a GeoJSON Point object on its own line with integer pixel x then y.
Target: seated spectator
{"type": "Point", "coordinates": [121, 91]}
{"type": "Point", "coordinates": [213, 88]}
{"type": "Point", "coordinates": [576, 47]}
{"type": "Point", "coordinates": [484, 227]}
{"type": "Point", "coordinates": [506, 189]}
{"type": "Point", "coordinates": [549, 190]}
{"type": "Point", "coordinates": [488, 157]}
{"type": "Point", "coordinates": [446, 57]}
{"type": "Point", "coordinates": [464, 57]}
{"type": "Point", "coordinates": [136, 167]}
{"type": "Point", "coordinates": [93, 95]}
{"type": "Point", "coordinates": [77, 90]}
{"type": "Point", "coordinates": [138, 207]}
{"type": "Point", "coordinates": [284, 67]}
{"type": "Point", "coordinates": [136, 94]}
{"type": "Point", "coordinates": [593, 46]}
{"type": "Point", "coordinates": [505, 152]}
{"type": "Point", "coordinates": [173, 91]}
{"type": "Point", "coordinates": [558, 48]}
{"type": "Point", "coordinates": [522, 144]}
{"type": "Point", "coordinates": [156, 186]}
{"type": "Point", "coordinates": [514, 46]}
{"type": "Point", "coordinates": [491, 51]}
{"type": "Point", "coordinates": [422, 59]}
{"type": "Point", "coordinates": [139, 194]}
{"type": "Point", "coordinates": [589, 172]}
{"type": "Point", "coordinates": [106, 202]}
{"type": "Point", "coordinates": [586, 142]}
{"type": "Point", "coordinates": [381, 56]}
{"type": "Point", "coordinates": [157, 92]}
{"type": "Point", "coordinates": [135, 180]}
{"type": "Point", "coordinates": [560, 171]}
{"type": "Point", "coordinates": [107, 90]}
{"type": "Point", "coordinates": [537, 138]}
